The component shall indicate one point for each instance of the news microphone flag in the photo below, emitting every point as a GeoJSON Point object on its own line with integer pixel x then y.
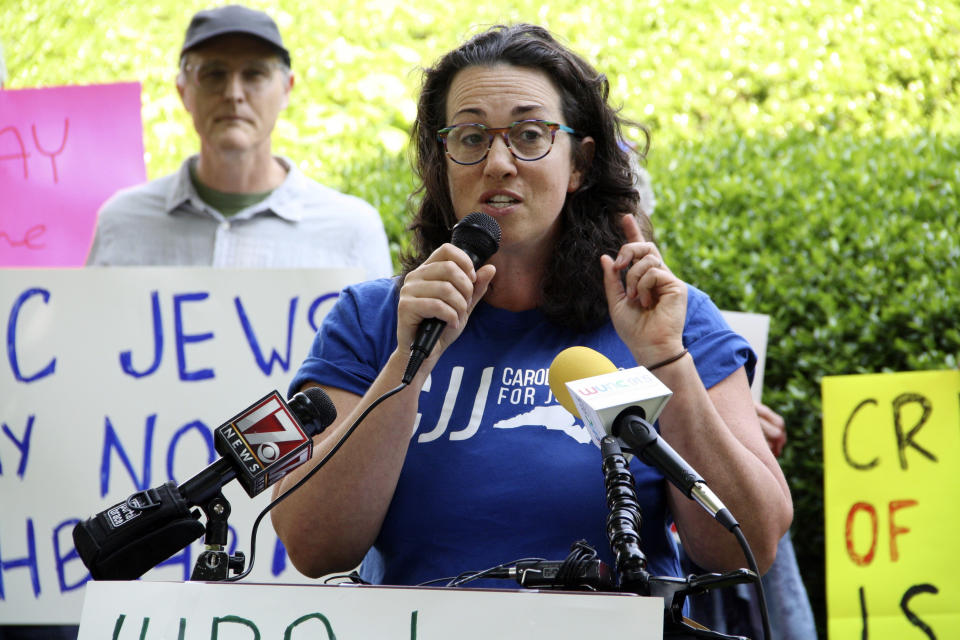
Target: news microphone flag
{"type": "Point", "coordinates": [627, 402]}
{"type": "Point", "coordinates": [598, 399]}
{"type": "Point", "coordinates": [258, 446]}
{"type": "Point", "coordinates": [265, 442]}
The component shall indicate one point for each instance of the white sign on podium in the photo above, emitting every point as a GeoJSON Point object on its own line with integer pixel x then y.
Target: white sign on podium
{"type": "Point", "coordinates": [142, 610]}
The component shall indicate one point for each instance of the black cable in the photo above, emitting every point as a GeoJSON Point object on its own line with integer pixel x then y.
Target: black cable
{"type": "Point", "coordinates": [447, 579]}
{"type": "Point", "coordinates": [574, 564]}
{"type": "Point", "coordinates": [469, 576]}
{"type": "Point", "coordinates": [301, 481]}
{"type": "Point", "coordinates": [761, 597]}
{"type": "Point", "coordinates": [353, 577]}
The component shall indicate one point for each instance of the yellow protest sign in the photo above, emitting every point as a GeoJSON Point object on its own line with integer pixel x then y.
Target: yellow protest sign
{"type": "Point", "coordinates": [891, 466]}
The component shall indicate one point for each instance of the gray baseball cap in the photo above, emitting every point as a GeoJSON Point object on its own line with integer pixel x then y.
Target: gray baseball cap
{"type": "Point", "coordinates": [233, 18]}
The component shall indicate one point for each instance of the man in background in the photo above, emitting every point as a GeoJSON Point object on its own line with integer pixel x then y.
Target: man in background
{"type": "Point", "coordinates": [235, 204]}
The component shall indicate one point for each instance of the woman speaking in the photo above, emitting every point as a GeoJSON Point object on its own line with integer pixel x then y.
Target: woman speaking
{"type": "Point", "coordinates": [474, 463]}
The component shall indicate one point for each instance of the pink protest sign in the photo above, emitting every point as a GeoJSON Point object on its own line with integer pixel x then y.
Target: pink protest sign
{"type": "Point", "coordinates": [63, 151]}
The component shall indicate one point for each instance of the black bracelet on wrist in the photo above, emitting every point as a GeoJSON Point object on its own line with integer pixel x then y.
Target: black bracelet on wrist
{"type": "Point", "coordinates": [667, 361]}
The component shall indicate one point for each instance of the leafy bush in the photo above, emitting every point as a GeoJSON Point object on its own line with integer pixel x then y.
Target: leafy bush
{"type": "Point", "coordinates": [688, 70]}
{"type": "Point", "coordinates": [805, 154]}
{"type": "Point", "coordinates": [849, 243]}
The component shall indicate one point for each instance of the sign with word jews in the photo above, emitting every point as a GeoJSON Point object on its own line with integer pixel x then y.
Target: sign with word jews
{"type": "Point", "coordinates": [891, 447]}
{"type": "Point", "coordinates": [63, 152]}
{"type": "Point", "coordinates": [112, 382]}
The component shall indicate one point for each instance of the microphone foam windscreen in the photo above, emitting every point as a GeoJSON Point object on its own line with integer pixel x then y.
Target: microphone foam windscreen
{"type": "Point", "coordinates": [478, 234]}
{"type": "Point", "coordinates": [575, 363]}
{"type": "Point", "coordinates": [321, 405]}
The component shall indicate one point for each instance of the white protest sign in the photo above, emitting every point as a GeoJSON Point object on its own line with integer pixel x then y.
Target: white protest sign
{"type": "Point", "coordinates": [754, 327]}
{"type": "Point", "coordinates": [111, 381]}
{"type": "Point", "coordinates": [203, 611]}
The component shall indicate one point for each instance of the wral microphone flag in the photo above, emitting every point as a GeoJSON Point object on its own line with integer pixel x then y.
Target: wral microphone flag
{"type": "Point", "coordinates": [266, 440]}
{"type": "Point", "coordinates": [599, 399]}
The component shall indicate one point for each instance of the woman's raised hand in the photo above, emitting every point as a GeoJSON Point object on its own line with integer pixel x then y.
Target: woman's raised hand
{"type": "Point", "coordinates": [647, 302]}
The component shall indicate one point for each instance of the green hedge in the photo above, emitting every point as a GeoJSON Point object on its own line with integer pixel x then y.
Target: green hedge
{"type": "Point", "coordinates": [850, 244]}
{"type": "Point", "coordinates": [688, 69]}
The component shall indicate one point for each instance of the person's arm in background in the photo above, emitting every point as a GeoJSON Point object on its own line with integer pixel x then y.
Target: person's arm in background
{"type": "Point", "coordinates": [774, 428]}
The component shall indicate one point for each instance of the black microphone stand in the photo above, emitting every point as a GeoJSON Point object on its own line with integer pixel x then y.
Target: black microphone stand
{"type": "Point", "coordinates": [623, 532]}
{"type": "Point", "coordinates": [214, 564]}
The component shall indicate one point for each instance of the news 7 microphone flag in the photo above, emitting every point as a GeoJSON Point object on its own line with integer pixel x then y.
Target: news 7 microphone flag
{"type": "Point", "coordinates": [260, 436]}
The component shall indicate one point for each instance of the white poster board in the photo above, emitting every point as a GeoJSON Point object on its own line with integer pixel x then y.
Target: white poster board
{"type": "Point", "coordinates": [754, 327]}
{"type": "Point", "coordinates": [111, 381]}
{"type": "Point", "coordinates": [202, 611]}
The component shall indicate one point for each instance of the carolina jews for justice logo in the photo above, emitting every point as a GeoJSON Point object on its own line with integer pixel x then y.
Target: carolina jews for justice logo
{"type": "Point", "coordinates": [526, 389]}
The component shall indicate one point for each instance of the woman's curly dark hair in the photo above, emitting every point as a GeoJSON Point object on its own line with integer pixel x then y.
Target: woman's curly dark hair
{"type": "Point", "coordinates": [573, 294]}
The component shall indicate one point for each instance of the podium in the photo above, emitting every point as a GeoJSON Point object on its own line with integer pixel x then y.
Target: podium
{"type": "Point", "coordinates": [142, 610]}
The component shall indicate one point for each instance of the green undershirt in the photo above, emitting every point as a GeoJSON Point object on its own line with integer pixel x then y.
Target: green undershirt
{"type": "Point", "coordinates": [226, 203]}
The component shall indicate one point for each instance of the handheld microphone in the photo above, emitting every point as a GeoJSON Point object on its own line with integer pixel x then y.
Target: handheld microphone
{"type": "Point", "coordinates": [478, 235]}
{"type": "Point", "coordinates": [259, 445]}
{"type": "Point", "coordinates": [623, 404]}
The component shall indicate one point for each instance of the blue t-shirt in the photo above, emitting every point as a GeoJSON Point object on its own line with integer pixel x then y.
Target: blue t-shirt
{"type": "Point", "coordinates": [497, 469]}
